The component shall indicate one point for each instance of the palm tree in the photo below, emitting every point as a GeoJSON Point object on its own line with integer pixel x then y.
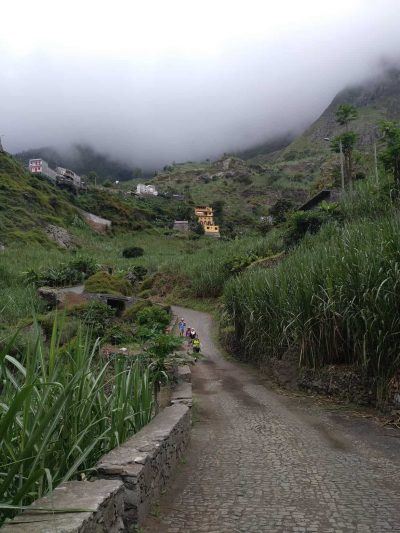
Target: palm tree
{"type": "Point", "coordinates": [345, 114]}
{"type": "Point", "coordinates": [345, 142]}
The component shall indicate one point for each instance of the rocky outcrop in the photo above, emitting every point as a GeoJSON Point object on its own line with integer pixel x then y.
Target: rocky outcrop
{"type": "Point", "coordinates": [59, 235]}
{"type": "Point", "coordinates": [51, 295]}
{"type": "Point", "coordinates": [99, 224]}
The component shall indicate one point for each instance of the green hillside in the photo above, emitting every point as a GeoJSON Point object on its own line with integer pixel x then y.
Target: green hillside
{"type": "Point", "coordinates": [308, 157]}
{"type": "Point", "coordinates": [245, 191]}
{"type": "Point", "coordinates": [286, 167]}
{"type": "Point", "coordinates": [28, 203]}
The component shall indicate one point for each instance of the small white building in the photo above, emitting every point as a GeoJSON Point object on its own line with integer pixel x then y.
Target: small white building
{"type": "Point", "coordinates": [146, 190]}
{"type": "Point", "coordinates": [40, 166]}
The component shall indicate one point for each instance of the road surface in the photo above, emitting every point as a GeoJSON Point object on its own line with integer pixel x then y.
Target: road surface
{"type": "Point", "coordinates": [262, 461]}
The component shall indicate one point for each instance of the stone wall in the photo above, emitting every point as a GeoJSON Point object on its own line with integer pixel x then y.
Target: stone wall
{"type": "Point", "coordinates": [146, 462]}
{"type": "Point", "coordinates": [100, 503]}
{"type": "Point", "coordinates": [127, 480]}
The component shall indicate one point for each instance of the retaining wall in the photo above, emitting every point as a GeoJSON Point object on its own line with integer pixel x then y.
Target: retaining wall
{"type": "Point", "coordinates": [128, 480]}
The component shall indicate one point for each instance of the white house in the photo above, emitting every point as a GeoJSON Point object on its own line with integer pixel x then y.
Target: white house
{"type": "Point", "coordinates": [146, 190]}
{"type": "Point", "coordinates": [40, 166]}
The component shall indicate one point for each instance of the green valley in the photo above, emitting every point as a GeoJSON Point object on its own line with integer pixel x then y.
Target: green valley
{"type": "Point", "coordinates": [308, 293]}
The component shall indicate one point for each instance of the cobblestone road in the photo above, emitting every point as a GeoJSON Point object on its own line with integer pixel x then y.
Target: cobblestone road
{"type": "Point", "coordinates": [260, 461]}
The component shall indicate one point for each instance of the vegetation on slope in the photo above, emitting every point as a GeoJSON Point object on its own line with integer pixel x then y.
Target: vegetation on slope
{"type": "Point", "coordinates": [63, 405]}
{"type": "Point", "coordinates": [28, 203]}
{"type": "Point", "coordinates": [323, 284]}
{"type": "Point", "coordinates": [240, 192]}
{"type": "Point", "coordinates": [334, 299]}
{"type": "Point", "coordinates": [308, 156]}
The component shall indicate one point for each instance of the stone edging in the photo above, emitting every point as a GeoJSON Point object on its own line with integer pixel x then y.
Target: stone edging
{"type": "Point", "coordinates": [127, 480]}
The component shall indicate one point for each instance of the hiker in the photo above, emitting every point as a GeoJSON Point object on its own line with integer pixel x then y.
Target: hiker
{"type": "Point", "coordinates": [182, 327]}
{"type": "Point", "coordinates": [196, 345]}
{"type": "Point", "coordinates": [192, 334]}
{"type": "Point", "coordinates": [187, 334]}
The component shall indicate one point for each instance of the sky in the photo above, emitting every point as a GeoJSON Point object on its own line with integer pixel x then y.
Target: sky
{"type": "Point", "coordinates": [157, 81]}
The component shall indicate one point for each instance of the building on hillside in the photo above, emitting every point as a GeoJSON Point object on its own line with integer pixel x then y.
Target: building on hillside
{"type": "Point", "coordinates": [205, 216]}
{"type": "Point", "coordinates": [68, 178]}
{"type": "Point", "coordinates": [181, 225]}
{"type": "Point", "coordinates": [40, 166]}
{"type": "Point", "coordinates": [146, 190]}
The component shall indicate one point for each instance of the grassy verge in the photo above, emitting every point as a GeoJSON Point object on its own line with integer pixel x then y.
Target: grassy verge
{"type": "Point", "coordinates": [334, 298]}
{"type": "Point", "coordinates": [329, 289]}
{"type": "Point", "coordinates": [66, 401]}
{"type": "Point", "coordinates": [60, 411]}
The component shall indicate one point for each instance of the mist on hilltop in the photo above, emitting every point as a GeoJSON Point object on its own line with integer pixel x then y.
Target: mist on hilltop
{"type": "Point", "coordinates": [160, 82]}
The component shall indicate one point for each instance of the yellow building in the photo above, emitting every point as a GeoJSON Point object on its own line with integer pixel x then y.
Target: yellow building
{"type": "Point", "coordinates": [205, 216]}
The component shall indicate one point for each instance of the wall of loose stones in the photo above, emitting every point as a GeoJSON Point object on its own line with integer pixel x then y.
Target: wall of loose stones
{"type": "Point", "coordinates": [127, 481]}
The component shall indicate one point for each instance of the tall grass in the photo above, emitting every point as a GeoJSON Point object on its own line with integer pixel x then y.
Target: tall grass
{"type": "Point", "coordinates": [336, 299]}
{"type": "Point", "coordinates": [206, 269]}
{"type": "Point", "coordinates": [61, 408]}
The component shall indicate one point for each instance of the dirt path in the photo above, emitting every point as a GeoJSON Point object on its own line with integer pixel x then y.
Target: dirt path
{"type": "Point", "coordinates": [260, 461]}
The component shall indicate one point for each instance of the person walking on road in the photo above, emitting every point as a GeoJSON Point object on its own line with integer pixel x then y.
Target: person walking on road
{"type": "Point", "coordinates": [182, 327]}
{"type": "Point", "coordinates": [196, 345]}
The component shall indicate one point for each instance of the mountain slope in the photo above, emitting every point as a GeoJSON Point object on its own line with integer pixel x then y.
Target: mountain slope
{"type": "Point", "coordinates": [376, 99]}
{"type": "Point", "coordinates": [308, 157]}
{"type": "Point", "coordinates": [28, 203]}
{"type": "Point", "coordinates": [268, 147]}
{"type": "Point", "coordinates": [245, 191]}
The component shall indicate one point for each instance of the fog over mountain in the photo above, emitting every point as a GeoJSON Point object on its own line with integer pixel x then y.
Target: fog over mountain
{"type": "Point", "coordinates": [179, 80]}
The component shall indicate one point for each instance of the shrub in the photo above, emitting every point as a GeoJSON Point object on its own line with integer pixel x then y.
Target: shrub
{"type": "Point", "coordinates": [153, 316]}
{"type": "Point", "coordinates": [73, 272]}
{"type": "Point", "coordinates": [119, 334]}
{"type": "Point", "coordinates": [147, 283]}
{"type": "Point", "coordinates": [244, 178]}
{"type": "Point", "coordinates": [136, 274]}
{"type": "Point", "coordinates": [279, 210]}
{"type": "Point", "coordinates": [132, 251]}
{"type": "Point", "coordinates": [97, 316]}
{"type": "Point", "coordinates": [302, 222]}
{"type": "Point", "coordinates": [105, 283]}
{"type": "Point", "coordinates": [239, 263]}
{"type": "Point", "coordinates": [196, 227]}
{"type": "Point", "coordinates": [131, 313]}
{"type": "Point", "coordinates": [145, 294]}
{"type": "Point", "coordinates": [139, 271]}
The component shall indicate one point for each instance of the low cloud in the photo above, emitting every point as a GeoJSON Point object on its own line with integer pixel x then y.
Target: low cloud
{"type": "Point", "coordinates": [182, 95]}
